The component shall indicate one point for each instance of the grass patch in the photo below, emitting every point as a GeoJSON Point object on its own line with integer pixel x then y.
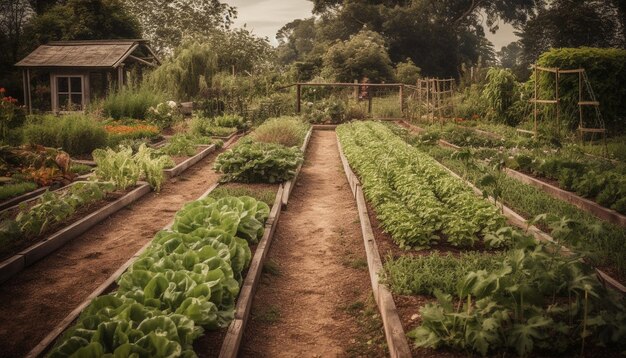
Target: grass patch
{"type": "Point", "coordinates": [355, 263]}
{"type": "Point", "coordinates": [270, 314]}
{"type": "Point", "coordinates": [265, 195]}
{"type": "Point", "coordinates": [370, 341]}
{"type": "Point", "coordinates": [424, 274]}
{"type": "Point", "coordinates": [288, 131]}
{"type": "Point", "coordinates": [80, 169]}
{"type": "Point", "coordinates": [271, 267]}
{"type": "Point", "coordinates": [74, 133]}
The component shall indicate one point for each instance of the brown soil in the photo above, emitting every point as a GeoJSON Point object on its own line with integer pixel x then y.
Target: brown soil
{"type": "Point", "coordinates": [315, 288]}
{"type": "Point", "coordinates": [37, 299]}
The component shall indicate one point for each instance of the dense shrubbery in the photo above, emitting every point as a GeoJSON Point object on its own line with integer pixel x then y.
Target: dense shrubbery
{"type": "Point", "coordinates": [76, 133]}
{"type": "Point", "coordinates": [500, 93]}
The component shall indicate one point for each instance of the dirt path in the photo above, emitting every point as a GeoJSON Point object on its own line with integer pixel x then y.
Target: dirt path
{"type": "Point", "coordinates": [315, 297]}
{"type": "Point", "coordinates": [36, 300]}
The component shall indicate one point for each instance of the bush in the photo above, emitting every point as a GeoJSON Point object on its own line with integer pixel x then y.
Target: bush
{"type": "Point", "coordinates": [164, 115]}
{"type": "Point", "coordinates": [330, 110]}
{"type": "Point", "coordinates": [251, 162]}
{"type": "Point", "coordinates": [205, 127]}
{"type": "Point", "coordinates": [11, 116]}
{"type": "Point", "coordinates": [130, 102]}
{"type": "Point", "coordinates": [230, 120]}
{"type": "Point", "coordinates": [407, 72]}
{"type": "Point", "coordinates": [500, 93]}
{"type": "Point", "coordinates": [76, 133]}
{"type": "Point", "coordinates": [606, 72]}
{"type": "Point", "coordinates": [288, 131]}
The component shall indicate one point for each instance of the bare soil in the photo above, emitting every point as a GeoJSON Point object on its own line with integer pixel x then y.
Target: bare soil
{"type": "Point", "coordinates": [37, 299]}
{"type": "Point", "coordinates": [315, 295]}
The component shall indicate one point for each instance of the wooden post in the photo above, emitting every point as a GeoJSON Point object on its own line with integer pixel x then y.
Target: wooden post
{"type": "Point", "coordinates": [356, 90]}
{"type": "Point", "coordinates": [120, 76]}
{"type": "Point", "coordinates": [402, 100]}
{"type": "Point", "coordinates": [369, 103]}
{"type": "Point", "coordinates": [535, 102]}
{"type": "Point", "coordinates": [30, 102]}
{"type": "Point", "coordinates": [24, 87]}
{"type": "Point", "coordinates": [298, 98]}
{"type": "Point", "coordinates": [558, 105]}
{"type": "Point", "coordinates": [580, 108]}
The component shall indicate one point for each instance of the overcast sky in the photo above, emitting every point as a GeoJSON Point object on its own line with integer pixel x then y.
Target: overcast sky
{"type": "Point", "coordinates": [266, 17]}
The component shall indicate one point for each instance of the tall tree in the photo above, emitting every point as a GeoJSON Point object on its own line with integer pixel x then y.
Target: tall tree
{"type": "Point", "coordinates": [166, 23]}
{"type": "Point", "coordinates": [85, 20]}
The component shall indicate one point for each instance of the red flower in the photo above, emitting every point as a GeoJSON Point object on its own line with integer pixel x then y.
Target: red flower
{"type": "Point", "coordinates": [2, 90]}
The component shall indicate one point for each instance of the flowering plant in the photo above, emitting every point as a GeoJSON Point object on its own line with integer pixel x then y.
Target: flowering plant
{"type": "Point", "coordinates": [11, 114]}
{"type": "Point", "coordinates": [164, 114]}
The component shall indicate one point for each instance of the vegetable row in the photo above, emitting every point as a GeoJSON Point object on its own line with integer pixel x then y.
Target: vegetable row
{"type": "Point", "coordinates": [185, 282]}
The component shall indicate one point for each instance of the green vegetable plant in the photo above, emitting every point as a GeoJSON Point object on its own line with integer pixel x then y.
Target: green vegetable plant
{"type": "Point", "coordinates": [185, 282]}
{"type": "Point", "coordinates": [251, 162]}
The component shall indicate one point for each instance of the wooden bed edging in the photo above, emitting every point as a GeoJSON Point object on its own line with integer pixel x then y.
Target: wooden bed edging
{"type": "Point", "coordinates": [189, 162]}
{"type": "Point", "coordinates": [587, 205]}
{"type": "Point", "coordinates": [394, 332]}
{"type": "Point", "coordinates": [519, 221]}
{"type": "Point", "coordinates": [229, 137]}
{"type": "Point", "coordinates": [48, 341]}
{"type": "Point", "coordinates": [18, 262]}
{"type": "Point", "coordinates": [234, 335]}
{"type": "Point", "coordinates": [289, 185]}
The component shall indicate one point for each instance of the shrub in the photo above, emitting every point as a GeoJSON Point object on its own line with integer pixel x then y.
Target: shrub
{"type": "Point", "coordinates": [251, 162]}
{"type": "Point", "coordinates": [288, 131]}
{"type": "Point", "coordinates": [500, 92]}
{"type": "Point", "coordinates": [231, 121]}
{"type": "Point", "coordinates": [329, 110]}
{"type": "Point", "coordinates": [407, 72]}
{"type": "Point", "coordinates": [164, 115]}
{"type": "Point", "coordinates": [11, 115]}
{"type": "Point", "coordinates": [131, 102]}
{"type": "Point", "coordinates": [76, 133]}
{"type": "Point", "coordinates": [205, 127]}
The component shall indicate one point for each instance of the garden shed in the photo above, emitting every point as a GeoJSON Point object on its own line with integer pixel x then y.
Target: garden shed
{"type": "Point", "coordinates": [66, 75]}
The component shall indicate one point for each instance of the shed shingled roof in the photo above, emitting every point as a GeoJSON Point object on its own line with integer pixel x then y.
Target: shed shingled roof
{"type": "Point", "coordinates": [100, 54]}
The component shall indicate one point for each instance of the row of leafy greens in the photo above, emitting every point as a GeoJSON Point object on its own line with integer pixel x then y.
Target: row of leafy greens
{"type": "Point", "coordinates": [417, 201]}
{"type": "Point", "coordinates": [186, 281]}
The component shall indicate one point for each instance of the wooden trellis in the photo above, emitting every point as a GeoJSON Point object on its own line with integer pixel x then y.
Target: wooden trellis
{"type": "Point", "coordinates": [434, 98]}
{"type": "Point", "coordinates": [583, 83]}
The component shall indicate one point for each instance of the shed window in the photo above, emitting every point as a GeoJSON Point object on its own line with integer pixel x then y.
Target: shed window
{"type": "Point", "coordinates": [70, 93]}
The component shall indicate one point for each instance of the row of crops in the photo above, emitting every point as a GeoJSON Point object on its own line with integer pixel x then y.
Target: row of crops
{"type": "Point", "coordinates": [489, 288]}
{"type": "Point", "coordinates": [186, 281]}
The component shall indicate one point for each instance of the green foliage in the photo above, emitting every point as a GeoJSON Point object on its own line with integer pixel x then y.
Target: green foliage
{"type": "Point", "coordinates": [80, 20]}
{"type": "Point", "coordinates": [362, 56]}
{"type": "Point", "coordinates": [230, 121]}
{"type": "Point", "coordinates": [124, 168]}
{"type": "Point", "coordinates": [54, 207]}
{"type": "Point", "coordinates": [470, 104]}
{"type": "Point", "coordinates": [407, 72]}
{"type": "Point", "coordinates": [74, 133]}
{"type": "Point", "coordinates": [186, 73]}
{"type": "Point", "coordinates": [186, 281]}
{"type": "Point", "coordinates": [131, 102]}
{"type": "Point", "coordinates": [287, 131]}
{"type": "Point", "coordinates": [534, 300]}
{"type": "Point", "coordinates": [206, 127]}
{"type": "Point", "coordinates": [500, 92]}
{"type": "Point", "coordinates": [163, 115]}
{"type": "Point", "coordinates": [11, 116]}
{"type": "Point", "coordinates": [423, 275]}
{"type": "Point", "coordinates": [8, 191]}
{"type": "Point", "coordinates": [329, 110]}
{"type": "Point", "coordinates": [606, 72]}
{"type": "Point", "coordinates": [417, 201]}
{"type": "Point", "coordinates": [251, 162]}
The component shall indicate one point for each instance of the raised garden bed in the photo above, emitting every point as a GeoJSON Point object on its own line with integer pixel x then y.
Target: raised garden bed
{"type": "Point", "coordinates": [28, 252]}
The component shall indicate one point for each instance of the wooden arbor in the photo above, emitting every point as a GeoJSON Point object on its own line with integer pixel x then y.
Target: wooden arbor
{"type": "Point", "coordinates": [583, 84]}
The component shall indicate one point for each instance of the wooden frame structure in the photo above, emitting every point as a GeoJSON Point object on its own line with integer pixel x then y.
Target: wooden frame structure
{"type": "Point", "coordinates": [582, 103]}
{"type": "Point", "coordinates": [90, 66]}
{"type": "Point", "coordinates": [436, 96]}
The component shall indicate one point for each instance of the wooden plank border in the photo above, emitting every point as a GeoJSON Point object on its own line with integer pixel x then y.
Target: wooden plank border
{"type": "Point", "coordinates": [49, 340]}
{"type": "Point", "coordinates": [18, 262]}
{"type": "Point", "coordinates": [9, 203]}
{"type": "Point", "coordinates": [324, 127]}
{"type": "Point", "coordinates": [519, 221]}
{"type": "Point", "coordinates": [394, 332]}
{"type": "Point", "coordinates": [189, 162]}
{"type": "Point", "coordinates": [289, 185]}
{"type": "Point", "coordinates": [234, 335]}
